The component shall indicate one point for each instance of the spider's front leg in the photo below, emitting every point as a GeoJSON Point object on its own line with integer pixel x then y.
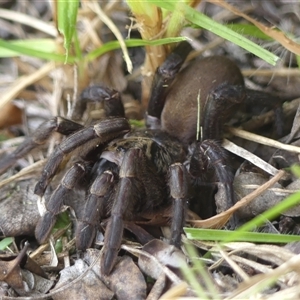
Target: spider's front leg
{"type": "Point", "coordinates": [126, 202]}
{"type": "Point", "coordinates": [92, 136]}
{"type": "Point", "coordinates": [41, 135]}
{"type": "Point", "coordinates": [56, 201]}
{"type": "Point", "coordinates": [94, 209]}
{"type": "Point", "coordinates": [179, 192]}
{"type": "Point", "coordinates": [163, 78]}
{"type": "Point", "coordinates": [210, 154]}
{"type": "Point", "coordinates": [113, 105]}
{"type": "Point", "coordinates": [220, 105]}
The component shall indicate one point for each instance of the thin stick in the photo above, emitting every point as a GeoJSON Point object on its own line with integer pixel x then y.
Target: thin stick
{"type": "Point", "coordinates": [262, 140]}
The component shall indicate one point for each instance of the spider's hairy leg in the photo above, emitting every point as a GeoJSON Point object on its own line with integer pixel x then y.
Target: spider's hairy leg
{"type": "Point", "coordinates": [126, 201]}
{"type": "Point", "coordinates": [214, 156]}
{"type": "Point", "coordinates": [41, 135]}
{"type": "Point", "coordinates": [56, 201]}
{"type": "Point", "coordinates": [113, 105]}
{"type": "Point", "coordinates": [220, 106]}
{"type": "Point", "coordinates": [94, 207]}
{"type": "Point", "coordinates": [178, 182]}
{"type": "Point", "coordinates": [163, 77]}
{"type": "Point", "coordinates": [102, 132]}
{"type": "Point", "coordinates": [261, 100]}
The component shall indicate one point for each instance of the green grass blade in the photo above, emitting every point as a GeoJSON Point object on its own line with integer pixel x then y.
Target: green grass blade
{"type": "Point", "coordinates": [243, 234]}
{"type": "Point", "coordinates": [222, 235]}
{"type": "Point", "coordinates": [113, 45]}
{"type": "Point", "coordinates": [36, 48]}
{"type": "Point", "coordinates": [249, 30]}
{"type": "Point", "coordinates": [66, 20]}
{"type": "Point", "coordinates": [205, 22]}
{"type": "Point", "coordinates": [5, 243]}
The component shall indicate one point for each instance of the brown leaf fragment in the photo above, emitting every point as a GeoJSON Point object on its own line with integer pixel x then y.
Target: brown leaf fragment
{"type": "Point", "coordinates": [164, 253]}
{"type": "Point", "coordinates": [19, 214]}
{"type": "Point", "coordinates": [10, 115]}
{"type": "Point", "coordinates": [125, 280]}
{"type": "Point", "coordinates": [11, 271]}
{"type": "Point", "coordinates": [88, 287]}
{"type": "Point", "coordinates": [34, 284]}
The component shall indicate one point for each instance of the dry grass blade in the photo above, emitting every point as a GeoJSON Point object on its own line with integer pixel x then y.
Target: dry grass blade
{"type": "Point", "coordinates": [29, 21]}
{"type": "Point", "coordinates": [231, 147]}
{"type": "Point", "coordinates": [221, 219]}
{"type": "Point", "coordinates": [25, 81]}
{"type": "Point", "coordinates": [259, 282]}
{"type": "Point", "coordinates": [24, 172]}
{"type": "Point", "coordinates": [263, 140]}
{"type": "Point", "coordinates": [106, 20]}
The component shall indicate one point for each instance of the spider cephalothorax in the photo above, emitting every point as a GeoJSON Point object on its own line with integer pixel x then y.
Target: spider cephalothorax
{"type": "Point", "coordinates": [130, 172]}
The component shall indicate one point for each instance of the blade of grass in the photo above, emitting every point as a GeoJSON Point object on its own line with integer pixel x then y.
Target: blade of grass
{"type": "Point", "coordinates": [205, 22]}
{"type": "Point", "coordinates": [113, 45]}
{"type": "Point", "coordinates": [5, 243]}
{"type": "Point", "coordinates": [66, 20]}
{"type": "Point", "coordinates": [249, 30]}
{"type": "Point", "coordinates": [32, 48]}
{"type": "Point", "coordinates": [222, 235]}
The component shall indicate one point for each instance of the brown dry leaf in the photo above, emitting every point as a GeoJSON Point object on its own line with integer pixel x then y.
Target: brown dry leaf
{"type": "Point", "coordinates": [221, 219]}
{"type": "Point", "coordinates": [11, 273]}
{"type": "Point", "coordinates": [10, 115]}
{"type": "Point", "coordinates": [88, 287]}
{"type": "Point", "coordinates": [19, 214]}
{"type": "Point", "coordinates": [10, 269]}
{"type": "Point", "coordinates": [126, 279]}
{"type": "Point", "coordinates": [278, 36]}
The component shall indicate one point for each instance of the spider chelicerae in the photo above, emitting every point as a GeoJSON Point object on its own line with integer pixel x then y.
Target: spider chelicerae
{"type": "Point", "coordinates": [130, 172]}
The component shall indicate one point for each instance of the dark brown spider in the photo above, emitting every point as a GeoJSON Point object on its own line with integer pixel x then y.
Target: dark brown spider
{"type": "Point", "coordinates": [128, 173]}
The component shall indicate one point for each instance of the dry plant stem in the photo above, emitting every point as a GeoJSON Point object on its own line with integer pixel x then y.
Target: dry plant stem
{"type": "Point", "coordinates": [262, 140]}
{"type": "Point", "coordinates": [56, 235]}
{"type": "Point", "coordinates": [150, 26]}
{"type": "Point", "coordinates": [241, 261]}
{"type": "Point", "coordinates": [275, 190]}
{"type": "Point", "coordinates": [157, 288]}
{"type": "Point", "coordinates": [282, 72]}
{"type": "Point", "coordinates": [218, 221]}
{"type": "Point", "coordinates": [172, 276]}
{"type": "Point", "coordinates": [260, 281]}
{"type": "Point", "coordinates": [106, 20]}
{"type": "Point", "coordinates": [259, 121]}
{"type": "Point", "coordinates": [175, 292]}
{"type": "Point", "coordinates": [25, 81]}
{"type": "Point", "coordinates": [234, 265]}
{"type": "Point", "coordinates": [26, 171]}
{"type": "Point", "coordinates": [233, 148]}
{"type": "Point", "coordinates": [29, 21]}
